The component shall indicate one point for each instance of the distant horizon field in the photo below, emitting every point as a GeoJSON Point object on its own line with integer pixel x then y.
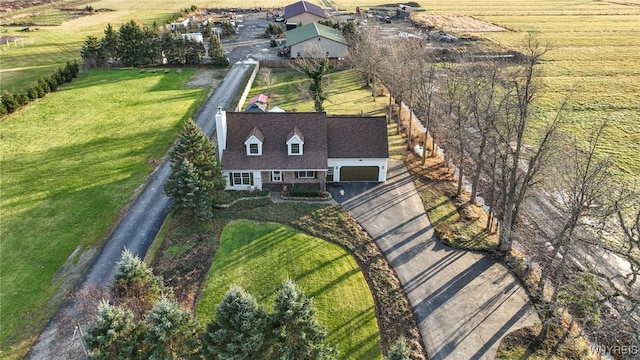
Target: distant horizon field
{"type": "Point", "coordinates": [593, 61]}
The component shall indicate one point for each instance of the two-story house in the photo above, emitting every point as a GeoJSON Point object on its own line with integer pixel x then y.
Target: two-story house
{"type": "Point", "coordinates": [269, 150]}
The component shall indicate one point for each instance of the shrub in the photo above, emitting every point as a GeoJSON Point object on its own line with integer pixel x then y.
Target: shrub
{"type": "Point", "coordinates": [304, 191]}
{"type": "Point", "coordinates": [44, 85]}
{"type": "Point", "coordinates": [23, 98]}
{"type": "Point", "coordinates": [9, 101]}
{"type": "Point", "coordinates": [33, 92]}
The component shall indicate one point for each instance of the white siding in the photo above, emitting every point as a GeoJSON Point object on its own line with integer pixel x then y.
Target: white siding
{"type": "Point", "coordinates": [335, 49]}
{"type": "Point", "coordinates": [305, 18]}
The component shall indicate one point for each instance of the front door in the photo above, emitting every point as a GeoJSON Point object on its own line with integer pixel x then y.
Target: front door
{"type": "Point", "coordinates": [276, 176]}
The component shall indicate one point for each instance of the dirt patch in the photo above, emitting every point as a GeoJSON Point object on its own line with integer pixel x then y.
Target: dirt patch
{"type": "Point", "coordinates": [457, 23]}
{"type": "Point", "coordinates": [15, 5]}
{"type": "Point", "coordinates": [205, 78]}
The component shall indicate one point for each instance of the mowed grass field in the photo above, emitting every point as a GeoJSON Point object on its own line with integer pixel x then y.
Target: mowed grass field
{"type": "Point", "coordinates": [70, 162]}
{"type": "Point", "coordinates": [259, 256]}
{"type": "Point", "coordinates": [41, 51]}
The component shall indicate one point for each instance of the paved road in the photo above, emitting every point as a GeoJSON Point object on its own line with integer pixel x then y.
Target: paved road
{"type": "Point", "coordinates": [464, 302]}
{"type": "Point", "coordinates": [142, 221]}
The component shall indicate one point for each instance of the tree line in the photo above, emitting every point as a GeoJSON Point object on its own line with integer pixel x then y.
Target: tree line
{"type": "Point", "coordinates": [137, 318]}
{"type": "Point", "coordinates": [12, 101]}
{"type": "Point", "coordinates": [135, 45]}
{"type": "Point", "coordinates": [487, 115]}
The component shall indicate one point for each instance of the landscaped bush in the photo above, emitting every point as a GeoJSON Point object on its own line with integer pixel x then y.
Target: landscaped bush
{"type": "Point", "coordinates": [304, 191]}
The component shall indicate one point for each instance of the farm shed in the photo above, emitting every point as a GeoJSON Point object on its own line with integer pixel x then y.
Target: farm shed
{"type": "Point", "coordinates": [303, 12]}
{"type": "Point", "coordinates": [304, 40]}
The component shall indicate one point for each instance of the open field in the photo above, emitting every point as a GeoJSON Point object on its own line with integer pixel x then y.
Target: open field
{"type": "Point", "coordinates": [70, 162]}
{"type": "Point", "coordinates": [259, 256]}
{"type": "Point", "coordinates": [40, 52]}
{"type": "Point", "coordinates": [594, 58]}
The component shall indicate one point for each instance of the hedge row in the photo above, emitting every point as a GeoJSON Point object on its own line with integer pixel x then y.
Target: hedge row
{"type": "Point", "coordinates": [13, 101]}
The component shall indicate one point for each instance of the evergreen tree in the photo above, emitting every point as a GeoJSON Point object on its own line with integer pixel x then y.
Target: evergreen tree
{"type": "Point", "coordinates": [216, 52]}
{"type": "Point", "coordinates": [134, 286]}
{"type": "Point", "coordinates": [206, 175]}
{"type": "Point", "coordinates": [149, 51]}
{"type": "Point", "coordinates": [297, 333]}
{"type": "Point", "coordinates": [131, 44]}
{"type": "Point", "coordinates": [170, 49]}
{"type": "Point", "coordinates": [44, 86]}
{"type": "Point", "coordinates": [190, 192]}
{"type": "Point", "coordinates": [238, 331]}
{"type": "Point", "coordinates": [227, 29]}
{"type": "Point", "coordinates": [114, 336]}
{"type": "Point", "coordinates": [194, 52]}
{"type": "Point", "coordinates": [170, 332]}
{"type": "Point", "coordinates": [110, 44]}
{"type": "Point", "coordinates": [91, 52]}
{"type": "Point", "coordinates": [9, 101]}
{"type": "Point", "coordinates": [32, 92]}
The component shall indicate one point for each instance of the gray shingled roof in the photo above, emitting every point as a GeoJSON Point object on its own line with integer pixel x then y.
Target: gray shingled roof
{"type": "Point", "coordinates": [275, 127]}
{"type": "Point", "coordinates": [357, 137]}
{"type": "Point", "coordinates": [300, 7]}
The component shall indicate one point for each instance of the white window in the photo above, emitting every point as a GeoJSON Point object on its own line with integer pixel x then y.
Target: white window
{"type": "Point", "coordinates": [305, 174]}
{"type": "Point", "coordinates": [241, 178]}
{"type": "Point", "coordinates": [295, 142]}
{"type": "Point", "coordinates": [254, 149]}
{"type": "Point", "coordinates": [276, 176]}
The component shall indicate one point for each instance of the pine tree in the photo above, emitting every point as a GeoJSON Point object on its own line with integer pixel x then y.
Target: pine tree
{"type": "Point", "coordinates": [205, 174]}
{"type": "Point", "coordinates": [190, 192]}
{"type": "Point", "coordinates": [170, 332]}
{"type": "Point", "coordinates": [130, 43]}
{"type": "Point", "coordinates": [238, 331]}
{"type": "Point", "coordinates": [115, 334]}
{"type": "Point", "coordinates": [134, 286]}
{"type": "Point", "coordinates": [9, 101]}
{"type": "Point", "coordinates": [298, 335]}
{"type": "Point", "coordinates": [91, 52]}
{"type": "Point", "coordinates": [110, 44]}
{"type": "Point", "coordinates": [216, 52]}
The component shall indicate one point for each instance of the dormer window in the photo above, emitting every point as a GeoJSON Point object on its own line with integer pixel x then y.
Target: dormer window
{"type": "Point", "coordinates": [254, 149]}
{"type": "Point", "coordinates": [295, 142]}
{"type": "Point", "coordinates": [253, 142]}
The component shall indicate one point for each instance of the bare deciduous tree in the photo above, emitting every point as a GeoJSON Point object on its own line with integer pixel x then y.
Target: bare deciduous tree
{"type": "Point", "coordinates": [522, 164]}
{"type": "Point", "coordinates": [266, 78]}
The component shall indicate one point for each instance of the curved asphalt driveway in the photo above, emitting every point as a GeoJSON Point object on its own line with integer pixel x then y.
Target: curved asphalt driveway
{"type": "Point", "coordinates": [463, 302]}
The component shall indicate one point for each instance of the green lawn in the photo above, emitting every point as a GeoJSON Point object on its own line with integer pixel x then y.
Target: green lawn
{"type": "Point", "coordinates": [69, 163]}
{"type": "Point", "coordinates": [41, 52]}
{"type": "Point", "coordinates": [259, 256]}
{"type": "Point", "coordinates": [345, 89]}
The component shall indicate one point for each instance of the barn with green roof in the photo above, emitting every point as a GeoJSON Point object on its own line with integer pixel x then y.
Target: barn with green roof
{"type": "Point", "coordinates": [316, 38]}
